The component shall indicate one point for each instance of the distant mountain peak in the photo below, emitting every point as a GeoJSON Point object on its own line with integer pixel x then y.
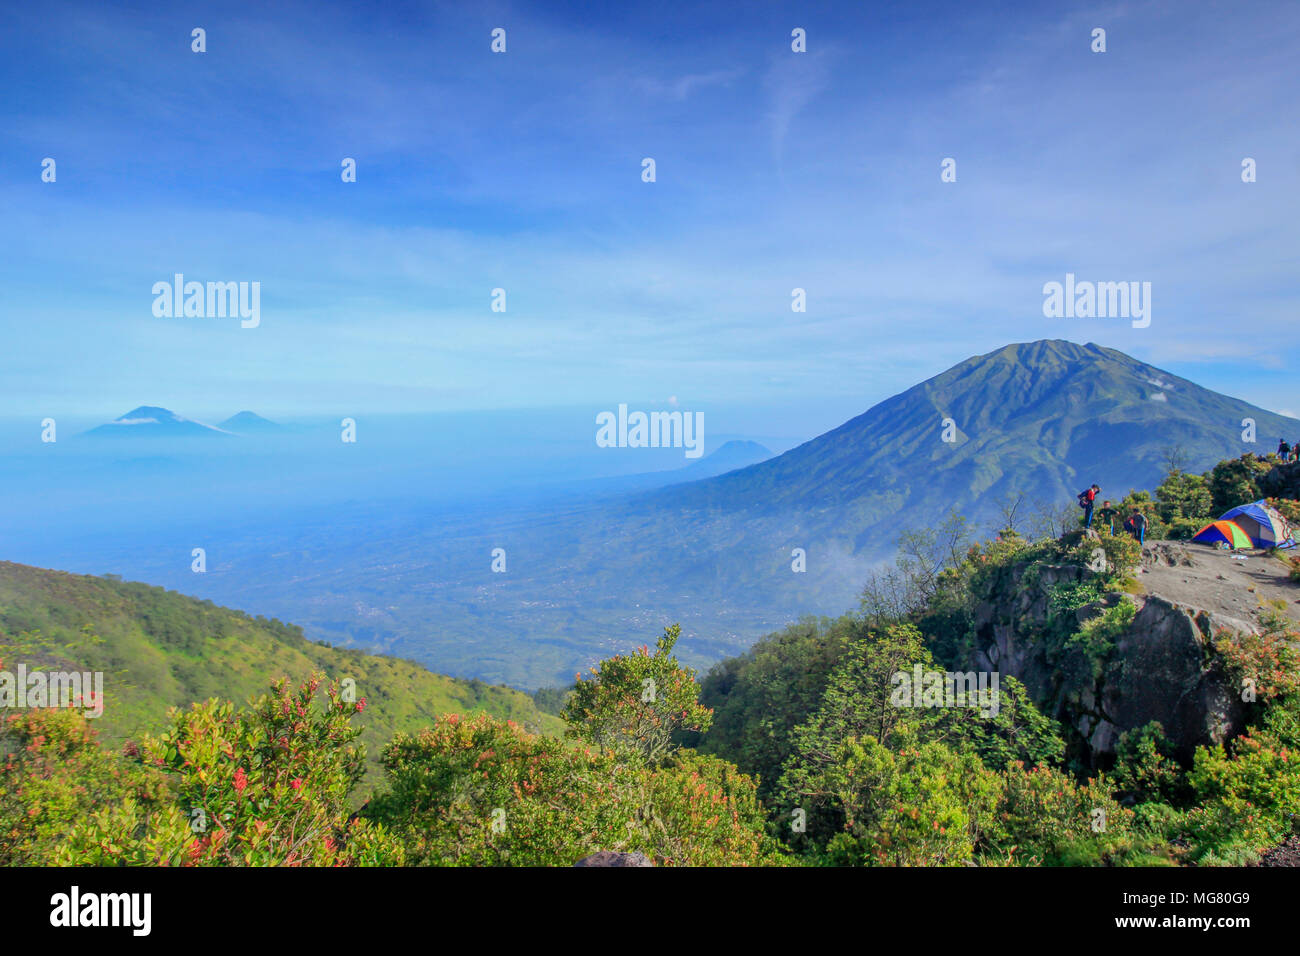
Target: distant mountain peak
{"type": "Point", "coordinates": [249, 421]}
{"type": "Point", "coordinates": [730, 455]}
{"type": "Point", "coordinates": [150, 413]}
{"type": "Point", "coordinates": [154, 420]}
{"type": "Point", "coordinates": [738, 446]}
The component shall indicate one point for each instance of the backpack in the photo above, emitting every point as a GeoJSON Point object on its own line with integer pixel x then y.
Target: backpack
{"type": "Point", "coordinates": [1083, 498]}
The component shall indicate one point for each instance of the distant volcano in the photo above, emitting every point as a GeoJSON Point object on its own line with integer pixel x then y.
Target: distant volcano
{"type": "Point", "coordinates": [151, 421]}
{"type": "Point", "coordinates": [728, 457]}
{"type": "Point", "coordinates": [249, 423]}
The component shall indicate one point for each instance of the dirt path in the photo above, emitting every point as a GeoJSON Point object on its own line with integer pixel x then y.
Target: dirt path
{"type": "Point", "coordinates": [1217, 581]}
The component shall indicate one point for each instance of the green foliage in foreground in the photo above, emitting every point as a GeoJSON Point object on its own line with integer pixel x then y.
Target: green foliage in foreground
{"type": "Point", "coordinates": [479, 792]}
{"type": "Point", "coordinates": [261, 786]}
{"type": "Point", "coordinates": [271, 785]}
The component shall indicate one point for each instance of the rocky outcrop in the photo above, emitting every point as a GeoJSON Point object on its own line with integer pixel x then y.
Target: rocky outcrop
{"type": "Point", "coordinates": [1283, 481]}
{"type": "Point", "coordinates": [1161, 668]}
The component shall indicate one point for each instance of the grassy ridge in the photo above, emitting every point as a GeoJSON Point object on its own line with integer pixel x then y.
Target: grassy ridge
{"type": "Point", "coordinates": [159, 649]}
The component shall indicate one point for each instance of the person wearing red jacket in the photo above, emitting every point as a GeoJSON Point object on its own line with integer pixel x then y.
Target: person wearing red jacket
{"type": "Point", "coordinates": [1086, 501]}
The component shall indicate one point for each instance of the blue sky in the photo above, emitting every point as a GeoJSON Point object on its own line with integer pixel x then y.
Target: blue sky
{"type": "Point", "coordinates": [522, 171]}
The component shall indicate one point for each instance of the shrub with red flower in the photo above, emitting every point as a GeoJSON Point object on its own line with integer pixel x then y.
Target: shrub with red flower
{"type": "Point", "coordinates": [267, 785]}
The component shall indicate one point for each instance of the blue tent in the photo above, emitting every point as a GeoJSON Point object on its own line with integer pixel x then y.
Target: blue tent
{"type": "Point", "coordinates": [1264, 525]}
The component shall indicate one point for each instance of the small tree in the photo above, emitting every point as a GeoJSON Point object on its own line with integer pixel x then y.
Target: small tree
{"type": "Point", "coordinates": [634, 704]}
{"type": "Point", "coordinates": [1011, 512]}
{"type": "Point", "coordinates": [918, 576]}
{"type": "Point", "coordinates": [1183, 502]}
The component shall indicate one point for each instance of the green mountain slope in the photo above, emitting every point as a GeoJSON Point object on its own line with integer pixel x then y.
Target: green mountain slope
{"type": "Point", "coordinates": [1039, 417]}
{"type": "Point", "coordinates": [159, 649]}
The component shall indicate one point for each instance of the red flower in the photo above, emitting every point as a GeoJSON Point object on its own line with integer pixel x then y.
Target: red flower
{"type": "Point", "coordinates": [241, 780]}
{"type": "Point", "coordinates": [296, 783]}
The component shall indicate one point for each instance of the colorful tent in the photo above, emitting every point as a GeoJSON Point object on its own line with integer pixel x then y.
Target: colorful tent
{"type": "Point", "coordinates": [1265, 526]}
{"type": "Point", "coordinates": [1226, 532]}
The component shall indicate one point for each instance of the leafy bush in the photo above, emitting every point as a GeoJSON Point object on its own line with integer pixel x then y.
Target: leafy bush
{"type": "Point", "coordinates": [760, 697]}
{"type": "Point", "coordinates": [1288, 508]}
{"type": "Point", "coordinates": [1044, 818]}
{"type": "Point", "coordinates": [1096, 636]}
{"type": "Point", "coordinates": [1122, 552]}
{"type": "Point", "coordinates": [1247, 800]}
{"type": "Point", "coordinates": [1145, 769]}
{"type": "Point", "coordinates": [921, 805]}
{"type": "Point", "coordinates": [1267, 662]}
{"type": "Point", "coordinates": [1018, 731]}
{"type": "Point", "coordinates": [482, 792]}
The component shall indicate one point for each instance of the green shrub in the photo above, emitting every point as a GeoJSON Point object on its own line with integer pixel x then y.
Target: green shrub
{"type": "Point", "coordinates": [1096, 636]}
{"type": "Point", "coordinates": [922, 805]}
{"type": "Point", "coordinates": [1122, 552]}
{"type": "Point", "coordinates": [1145, 769]}
{"type": "Point", "coordinates": [1044, 818]}
{"type": "Point", "coordinates": [478, 791]}
{"type": "Point", "coordinates": [1183, 500]}
{"type": "Point", "coordinates": [635, 704]}
{"type": "Point", "coordinates": [1268, 662]}
{"type": "Point", "coordinates": [1234, 481]}
{"type": "Point", "coordinates": [1247, 801]}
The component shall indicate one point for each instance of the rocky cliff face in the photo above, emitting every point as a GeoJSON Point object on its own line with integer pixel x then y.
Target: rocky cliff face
{"type": "Point", "coordinates": [1160, 668]}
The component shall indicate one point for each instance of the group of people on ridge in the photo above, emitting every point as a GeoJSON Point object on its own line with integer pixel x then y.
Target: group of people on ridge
{"type": "Point", "coordinates": [1288, 452]}
{"type": "Point", "coordinates": [1135, 524]}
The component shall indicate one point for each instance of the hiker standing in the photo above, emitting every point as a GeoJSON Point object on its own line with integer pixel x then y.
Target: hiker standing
{"type": "Point", "coordinates": [1139, 523]}
{"type": "Point", "coordinates": [1107, 514]}
{"type": "Point", "coordinates": [1283, 450]}
{"type": "Point", "coordinates": [1087, 499]}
